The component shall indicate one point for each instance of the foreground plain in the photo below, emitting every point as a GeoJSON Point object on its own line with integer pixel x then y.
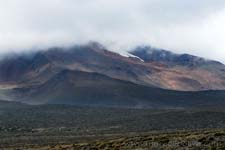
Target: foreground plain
{"type": "Point", "coordinates": [70, 127]}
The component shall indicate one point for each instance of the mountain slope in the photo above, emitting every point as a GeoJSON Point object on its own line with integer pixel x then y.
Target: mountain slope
{"type": "Point", "coordinates": [93, 89]}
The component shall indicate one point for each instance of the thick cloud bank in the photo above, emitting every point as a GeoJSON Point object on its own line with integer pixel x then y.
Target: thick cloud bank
{"type": "Point", "coordinates": [191, 26]}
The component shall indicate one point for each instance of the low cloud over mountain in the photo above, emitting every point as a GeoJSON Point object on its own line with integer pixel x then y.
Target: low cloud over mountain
{"type": "Point", "coordinates": [188, 26]}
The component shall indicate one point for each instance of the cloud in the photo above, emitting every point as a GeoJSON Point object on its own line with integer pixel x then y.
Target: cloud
{"type": "Point", "coordinates": [189, 26]}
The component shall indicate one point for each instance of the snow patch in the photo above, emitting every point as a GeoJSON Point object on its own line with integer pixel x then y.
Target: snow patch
{"type": "Point", "coordinates": [126, 54]}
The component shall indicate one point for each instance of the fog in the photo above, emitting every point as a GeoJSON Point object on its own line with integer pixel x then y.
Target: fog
{"type": "Point", "coordinates": [187, 26]}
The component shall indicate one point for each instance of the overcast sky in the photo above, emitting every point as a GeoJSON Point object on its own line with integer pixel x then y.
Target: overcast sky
{"type": "Point", "coordinates": [190, 26]}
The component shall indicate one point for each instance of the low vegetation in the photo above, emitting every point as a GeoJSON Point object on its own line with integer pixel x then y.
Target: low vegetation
{"type": "Point", "coordinates": [62, 127]}
{"type": "Point", "coordinates": [192, 140]}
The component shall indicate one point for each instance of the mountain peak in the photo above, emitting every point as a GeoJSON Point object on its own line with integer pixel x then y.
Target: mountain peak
{"type": "Point", "coordinates": [151, 54]}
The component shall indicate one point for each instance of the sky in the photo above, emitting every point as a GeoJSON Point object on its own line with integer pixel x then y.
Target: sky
{"type": "Point", "coordinates": [183, 26]}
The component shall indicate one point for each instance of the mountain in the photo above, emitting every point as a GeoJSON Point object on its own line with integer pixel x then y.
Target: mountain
{"type": "Point", "coordinates": [183, 71]}
{"type": "Point", "coordinates": [151, 54]}
{"type": "Point", "coordinates": [146, 66]}
{"type": "Point", "coordinates": [92, 75]}
{"type": "Point", "coordinates": [40, 67]}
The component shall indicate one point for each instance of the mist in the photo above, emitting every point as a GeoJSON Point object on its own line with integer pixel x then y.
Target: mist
{"type": "Point", "coordinates": [187, 26]}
